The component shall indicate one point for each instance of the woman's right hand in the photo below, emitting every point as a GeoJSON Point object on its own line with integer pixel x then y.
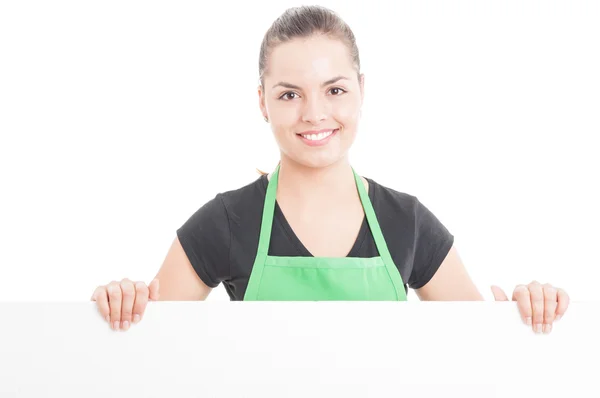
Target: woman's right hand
{"type": "Point", "coordinates": [122, 303]}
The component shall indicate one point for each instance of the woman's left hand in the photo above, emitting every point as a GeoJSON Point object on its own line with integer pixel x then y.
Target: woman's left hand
{"type": "Point", "coordinates": [538, 304]}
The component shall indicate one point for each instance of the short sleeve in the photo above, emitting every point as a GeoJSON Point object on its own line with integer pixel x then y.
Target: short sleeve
{"type": "Point", "coordinates": [433, 241]}
{"type": "Point", "coordinates": [205, 238]}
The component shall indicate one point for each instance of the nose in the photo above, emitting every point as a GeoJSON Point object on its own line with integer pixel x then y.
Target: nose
{"type": "Point", "coordinates": [315, 110]}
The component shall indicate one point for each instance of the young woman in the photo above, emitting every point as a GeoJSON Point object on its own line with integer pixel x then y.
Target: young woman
{"type": "Point", "coordinates": [314, 229]}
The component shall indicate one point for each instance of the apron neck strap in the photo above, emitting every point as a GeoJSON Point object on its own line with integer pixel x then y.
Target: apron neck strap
{"type": "Point", "coordinates": [269, 210]}
{"type": "Point", "coordinates": [372, 219]}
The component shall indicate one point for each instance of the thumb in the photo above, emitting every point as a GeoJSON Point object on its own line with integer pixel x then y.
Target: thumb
{"type": "Point", "coordinates": [499, 294]}
{"type": "Point", "coordinates": [153, 288]}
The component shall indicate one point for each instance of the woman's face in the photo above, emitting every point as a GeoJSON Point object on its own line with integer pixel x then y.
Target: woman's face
{"type": "Point", "coordinates": [312, 98]}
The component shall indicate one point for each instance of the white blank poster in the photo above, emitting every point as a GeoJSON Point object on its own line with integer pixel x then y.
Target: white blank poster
{"type": "Point", "coordinates": [325, 349]}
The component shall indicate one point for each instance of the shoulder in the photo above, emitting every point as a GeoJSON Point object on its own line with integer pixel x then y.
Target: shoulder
{"type": "Point", "coordinates": [245, 197]}
{"type": "Point", "coordinates": [396, 208]}
{"type": "Point", "coordinates": [220, 208]}
{"type": "Point", "coordinates": [251, 188]}
{"type": "Point", "coordinates": [389, 200]}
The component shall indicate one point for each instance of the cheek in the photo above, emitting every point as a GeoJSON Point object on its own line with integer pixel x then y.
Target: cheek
{"type": "Point", "coordinates": [283, 113]}
{"type": "Point", "coordinates": [347, 113]}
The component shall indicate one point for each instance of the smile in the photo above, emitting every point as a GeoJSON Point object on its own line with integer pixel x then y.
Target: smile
{"type": "Point", "coordinates": [315, 138]}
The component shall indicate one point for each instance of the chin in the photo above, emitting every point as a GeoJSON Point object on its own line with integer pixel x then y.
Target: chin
{"type": "Point", "coordinates": [318, 162]}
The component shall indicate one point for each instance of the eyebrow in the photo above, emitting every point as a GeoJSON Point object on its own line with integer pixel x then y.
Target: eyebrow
{"type": "Point", "coordinates": [293, 86]}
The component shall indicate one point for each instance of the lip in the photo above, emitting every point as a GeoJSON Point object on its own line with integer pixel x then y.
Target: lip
{"type": "Point", "coordinates": [322, 142]}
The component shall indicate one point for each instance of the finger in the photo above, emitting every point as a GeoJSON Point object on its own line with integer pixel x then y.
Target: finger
{"type": "Point", "coordinates": [563, 303]}
{"type": "Point", "coordinates": [537, 304]}
{"type": "Point", "coordinates": [93, 298]}
{"type": "Point", "coordinates": [100, 296]}
{"type": "Point", "coordinates": [114, 300]}
{"type": "Point", "coordinates": [550, 304]}
{"type": "Point", "coordinates": [523, 298]}
{"type": "Point", "coordinates": [141, 300]}
{"type": "Point", "coordinates": [127, 305]}
{"type": "Point", "coordinates": [499, 294]}
{"type": "Point", "coordinates": [153, 287]}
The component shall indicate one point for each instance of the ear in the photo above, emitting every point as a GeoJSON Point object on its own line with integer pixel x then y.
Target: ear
{"type": "Point", "coordinates": [261, 101]}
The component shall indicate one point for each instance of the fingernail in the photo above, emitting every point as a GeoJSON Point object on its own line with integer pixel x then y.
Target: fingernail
{"type": "Point", "coordinates": [136, 318]}
{"type": "Point", "coordinates": [538, 328]}
{"type": "Point", "coordinates": [107, 318]}
{"type": "Point", "coordinates": [125, 325]}
{"type": "Point", "coordinates": [116, 325]}
{"type": "Point", "coordinates": [547, 328]}
{"type": "Point", "coordinates": [557, 318]}
{"type": "Point", "coordinates": [528, 321]}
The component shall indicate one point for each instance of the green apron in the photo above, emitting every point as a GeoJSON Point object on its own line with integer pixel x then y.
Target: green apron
{"type": "Point", "coordinates": [276, 278]}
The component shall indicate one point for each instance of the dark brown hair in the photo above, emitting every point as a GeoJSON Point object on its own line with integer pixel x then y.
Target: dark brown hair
{"type": "Point", "coordinates": [303, 22]}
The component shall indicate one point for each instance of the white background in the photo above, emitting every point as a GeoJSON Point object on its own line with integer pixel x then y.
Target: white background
{"type": "Point", "coordinates": [119, 119]}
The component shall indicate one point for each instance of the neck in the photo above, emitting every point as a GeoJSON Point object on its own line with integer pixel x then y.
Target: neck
{"type": "Point", "coordinates": [310, 184]}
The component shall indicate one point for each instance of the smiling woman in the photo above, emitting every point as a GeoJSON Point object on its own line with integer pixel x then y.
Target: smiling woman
{"type": "Point", "coordinates": [314, 229]}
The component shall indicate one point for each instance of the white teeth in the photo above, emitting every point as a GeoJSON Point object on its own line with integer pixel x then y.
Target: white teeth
{"type": "Point", "coordinates": [317, 137]}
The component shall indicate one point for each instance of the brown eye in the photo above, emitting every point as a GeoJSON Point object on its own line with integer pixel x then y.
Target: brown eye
{"type": "Point", "coordinates": [337, 90]}
{"type": "Point", "coordinates": [286, 96]}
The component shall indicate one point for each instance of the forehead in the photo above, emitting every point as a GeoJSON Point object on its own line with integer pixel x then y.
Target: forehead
{"type": "Point", "coordinates": [317, 58]}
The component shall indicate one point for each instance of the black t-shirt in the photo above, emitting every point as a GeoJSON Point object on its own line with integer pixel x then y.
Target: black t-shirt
{"type": "Point", "coordinates": [221, 238]}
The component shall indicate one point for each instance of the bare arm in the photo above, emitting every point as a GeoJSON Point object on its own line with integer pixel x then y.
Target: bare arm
{"type": "Point", "coordinates": [451, 282]}
{"type": "Point", "coordinates": [177, 279]}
